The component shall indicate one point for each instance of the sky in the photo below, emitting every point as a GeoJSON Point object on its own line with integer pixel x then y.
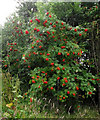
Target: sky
{"type": "Point", "coordinates": [7, 7]}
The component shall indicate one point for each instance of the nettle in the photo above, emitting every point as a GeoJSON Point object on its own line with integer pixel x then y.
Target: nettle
{"type": "Point", "coordinates": [54, 60]}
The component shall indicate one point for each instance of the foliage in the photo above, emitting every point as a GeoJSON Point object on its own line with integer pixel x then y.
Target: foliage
{"type": "Point", "coordinates": [50, 58]}
{"type": "Point", "coordinates": [60, 74]}
{"type": "Point", "coordinates": [11, 87]}
{"type": "Point", "coordinates": [14, 44]}
{"type": "Point", "coordinates": [74, 13]}
{"type": "Point", "coordinates": [26, 10]}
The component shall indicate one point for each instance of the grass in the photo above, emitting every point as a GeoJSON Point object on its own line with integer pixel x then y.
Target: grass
{"type": "Point", "coordinates": [33, 111]}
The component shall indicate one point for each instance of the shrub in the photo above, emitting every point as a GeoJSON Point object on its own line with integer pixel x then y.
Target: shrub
{"type": "Point", "coordinates": [55, 60]}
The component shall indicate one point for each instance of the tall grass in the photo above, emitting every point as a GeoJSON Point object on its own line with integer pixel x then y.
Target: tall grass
{"type": "Point", "coordinates": [10, 89]}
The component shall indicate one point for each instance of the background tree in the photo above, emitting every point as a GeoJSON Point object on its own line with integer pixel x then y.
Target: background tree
{"type": "Point", "coordinates": [26, 10]}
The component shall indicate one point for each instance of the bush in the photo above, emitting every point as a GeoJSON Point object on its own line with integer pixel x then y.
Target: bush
{"type": "Point", "coordinates": [55, 61]}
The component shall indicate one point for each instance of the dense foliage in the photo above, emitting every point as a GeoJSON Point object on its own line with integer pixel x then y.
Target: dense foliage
{"type": "Point", "coordinates": [50, 58]}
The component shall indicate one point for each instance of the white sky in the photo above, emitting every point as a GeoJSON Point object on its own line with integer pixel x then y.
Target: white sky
{"type": "Point", "coordinates": [7, 7]}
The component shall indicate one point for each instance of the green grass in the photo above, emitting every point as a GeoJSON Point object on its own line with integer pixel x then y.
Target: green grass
{"type": "Point", "coordinates": [32, 111]}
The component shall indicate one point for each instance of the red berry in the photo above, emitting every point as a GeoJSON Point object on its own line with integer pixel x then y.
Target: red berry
{"type": "Point", "coordinates": [58, 68]}
{"type": "Point", "coordinates": [77, 88]}
{"type": "Point", "coordinates": [47, 59]}
{"type": "Point", "coordinates": [40, 53]}
{"type": "Point", "coordinates": [89, 93]}
{"type": "Point", "coordinates": [26, 32]}
{"type": "Point", "coordinates": [73, 94]}
{"type": "Point", "coordinates": [73, 53]}
{"type": "Point", "coordinates": [50, 23]}
{"type": "Point", "coordinates": [63, 68]}
{"type": "Point", "coordinates": [54, 26]}
{"type": "Point", "coordinates": [34, 28]}
{"type": "Point", "coordinates": [51, 88]}
{"type": "Point", "coordinates": [63, 60]}
{"type": "Point", "coordinates": [30, 99]}
{"type": "Point", "coordinates": [34, 53]}
{"type": "Point", "coordinates": [56, 22]}
{"type": "Point", "coordinates": [63, 84]}
{"type": "Point", "coordinates": [75, 78]}
{"type": "Point", "coordinates": [75, 30]}
{"type": "Point", "coordinates": [25, 93]}
{"type": "Point", "coordinates": [29, 54]}
{"type": "Point", "coordinates": [62, 47]}
{"type": "Point", "coordinates": [21, 32]}
{"type": "Point", "coordinates": [29, 67]}
{"type": "Point", "coordinates": [63, 97]}
{"type": "Point", "coordinates": [47, 13]}
{"type": "Point", "coordinates": [40, 46]}
{"type": "Point", "coordinates": [5, 65]}
{"type": "Point", "coordinates": [47, 88]}
{"type": "Point", "coordinates": [80, 34]}
{"type": "Point", "coordinates": [43, 72]}
{"type": "Point", "coordinates": [17, 31]}
{"type": "Point", "coordinates": [52, 63]}
{"type": "Point", "coordinates": [38, 30]}
{"type": "Point", "coordinates": [45, 82]}
{"type": "Point", "coordinates": [68, 92]}
{"type": "Point", "coordinates": [31, 21]}
{"type": "Point", "coordinates": [33, 77]}
{"type": "Point", "coordinates": [70, 28]}
{"type": "Point", "coordinates": [86, 30]}
{"type": "Point", "coordinates": [66, 81]}
{"type": "Point", "coordinates": [40, 34]}
{"type": "Point", "coordinates": [39, 86]}
{"type": "Point", "coordinates": [16, 59]}
{"type": "Point", "coordinates": [48, 54]}
{"type": "Point", "coordinates": [59, 53]}
{"type": "Point", "coordinates": [58, 78]}
{"type": "Point", "coordinates": [37, 41]}
{"type": "Point", "coordinates": [50, 16]}
{"type": "Point", "coordinates": [37, 76]}
{"type": "Point", "coordinates": [67, 54]}
{"type": "Point", "coordinates": [53, 36]}
{"type": "Point", "coordinates": [45, 21]}
{"type": "Point", "coordinates": [65, 78]}
{"type": "Point", "coordinates": [48, 32]}
{"type": "Point", "coordinates": [62, 23]}
{"type": "Point", "coordinates": [33, 81]}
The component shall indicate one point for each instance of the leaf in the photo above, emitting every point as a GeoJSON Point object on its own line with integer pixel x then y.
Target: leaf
{"type": "Point", "coordinates": [9, 105]}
